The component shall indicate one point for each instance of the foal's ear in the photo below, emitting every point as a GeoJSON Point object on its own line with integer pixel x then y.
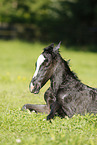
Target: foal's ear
{"type": "Point", "coordinates": [56, 48]}
{"type": "Point", "coordinates": [50, 47]}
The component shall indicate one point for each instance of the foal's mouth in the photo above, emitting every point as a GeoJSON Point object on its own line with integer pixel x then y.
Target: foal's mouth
{"type": "Point", "coordinates": [34, 89]}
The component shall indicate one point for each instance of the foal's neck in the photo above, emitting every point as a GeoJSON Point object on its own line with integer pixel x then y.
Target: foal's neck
{"type": "Point", "coordinates": [62, 75]}
{"type": "Point", "coordinates": [57, 77]}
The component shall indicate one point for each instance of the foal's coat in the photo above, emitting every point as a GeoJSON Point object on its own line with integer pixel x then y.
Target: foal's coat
{"type": "Point", "coordinates": [66, 94]}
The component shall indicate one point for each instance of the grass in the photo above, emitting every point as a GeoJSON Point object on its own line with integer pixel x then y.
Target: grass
{"type": "Point", "coordinates": [17, 60]}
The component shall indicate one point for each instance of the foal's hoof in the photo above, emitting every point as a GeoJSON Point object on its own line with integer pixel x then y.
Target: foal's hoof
{"type": "Point", "coordinates": [24, 108]}
{"type": "Point", "coordinates": [49, 117]}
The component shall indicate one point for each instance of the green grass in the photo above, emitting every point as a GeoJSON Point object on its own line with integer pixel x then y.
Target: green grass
{"type": "Point", "coordinates": [17, 61]}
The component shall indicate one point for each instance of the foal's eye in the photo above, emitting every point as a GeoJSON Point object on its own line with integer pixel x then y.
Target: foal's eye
{"type": "Point", "coordinates": [47, 62]}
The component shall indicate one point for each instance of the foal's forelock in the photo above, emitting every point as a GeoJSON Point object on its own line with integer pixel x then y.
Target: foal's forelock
{"type": "Point", "coordinates": [40, 60]}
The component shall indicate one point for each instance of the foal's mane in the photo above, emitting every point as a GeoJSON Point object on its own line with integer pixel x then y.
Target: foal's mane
{"type": "Point", "coordinates": [67, 67]}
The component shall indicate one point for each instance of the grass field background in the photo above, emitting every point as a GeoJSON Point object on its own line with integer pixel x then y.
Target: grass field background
{"type": "Point", "coordinates": [17, 66]}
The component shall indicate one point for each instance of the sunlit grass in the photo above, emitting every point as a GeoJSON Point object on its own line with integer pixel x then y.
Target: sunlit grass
{"type": "Point", "coordinates": [17, 65]}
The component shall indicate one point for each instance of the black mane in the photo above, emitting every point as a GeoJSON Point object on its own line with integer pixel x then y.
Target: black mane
{"type": "Point", "coordinates": [73, 74]}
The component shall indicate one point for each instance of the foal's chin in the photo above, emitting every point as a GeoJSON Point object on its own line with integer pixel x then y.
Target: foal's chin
{"type": "Point", "coordinates": [35, 91]}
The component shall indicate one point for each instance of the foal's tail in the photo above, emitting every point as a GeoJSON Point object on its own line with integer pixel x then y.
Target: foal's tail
{"type": "Point", "coordinates": [36, 108]}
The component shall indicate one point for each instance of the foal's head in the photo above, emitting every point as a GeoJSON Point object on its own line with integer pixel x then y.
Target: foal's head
{"type": "Point", "coordinates": [44, 68]}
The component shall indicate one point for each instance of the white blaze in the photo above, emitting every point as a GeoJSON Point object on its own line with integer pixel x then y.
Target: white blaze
{"type": "Point", "coordinates": [40, 60]}
{"type": "Point", "coordinates": [31, 87]}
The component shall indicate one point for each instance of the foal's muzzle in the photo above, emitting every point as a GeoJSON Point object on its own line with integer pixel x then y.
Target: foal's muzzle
{"type": "Point", "coordinates": [34, 88]}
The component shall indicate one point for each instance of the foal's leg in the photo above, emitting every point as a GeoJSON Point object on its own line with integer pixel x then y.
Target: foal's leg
{"type": "Point", "coordinates": [37, 108]}
{"type": "Point", "coordinates": [54, 108]}
{"type": "Point", "coordinates": [40, 108]}
{"type": "Point", "coordinates": [48, 97]}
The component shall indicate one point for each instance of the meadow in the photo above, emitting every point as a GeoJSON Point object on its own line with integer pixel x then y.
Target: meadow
{"type": "Point", "coordinates": [17, 66]}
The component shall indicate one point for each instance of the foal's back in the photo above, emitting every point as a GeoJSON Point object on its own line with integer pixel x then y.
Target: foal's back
{"type": "Point", "coordinates": [77, 98]}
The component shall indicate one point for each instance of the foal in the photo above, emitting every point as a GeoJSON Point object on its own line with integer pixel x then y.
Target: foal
{"type": "Point", "coordinates": [66, 94]}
